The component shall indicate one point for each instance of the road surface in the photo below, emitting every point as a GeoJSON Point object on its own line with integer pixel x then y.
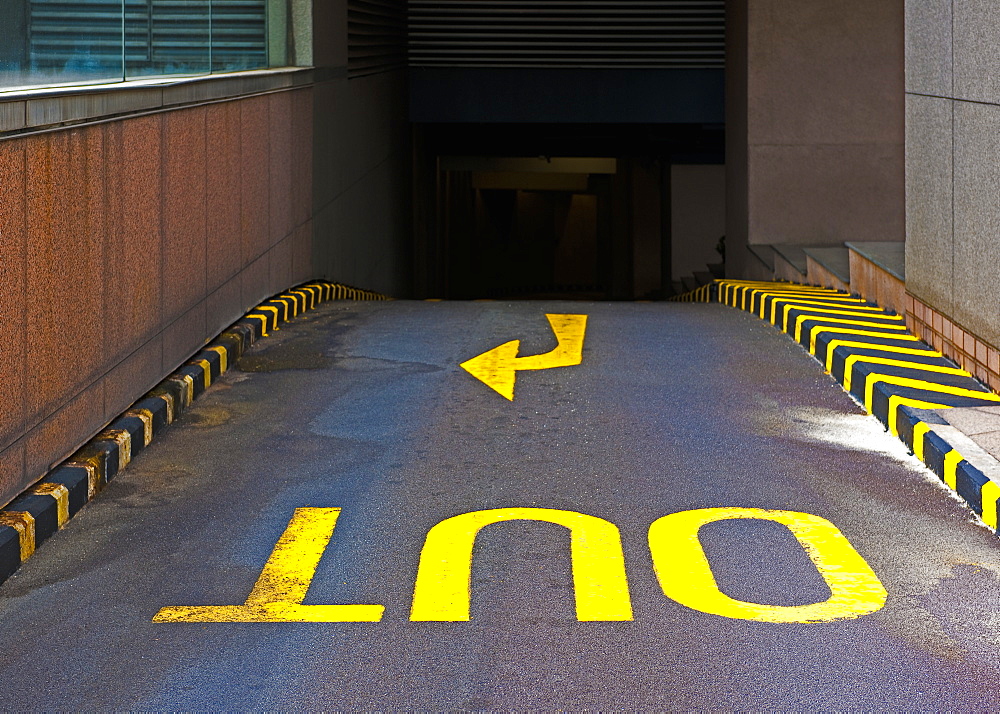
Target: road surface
{"type": "Point", "coordinates": [695, 516]}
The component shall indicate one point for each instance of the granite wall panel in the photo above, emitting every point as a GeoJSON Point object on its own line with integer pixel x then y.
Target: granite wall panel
{"type": "Point", "coordinates": [302, 162]}
{"type": "Point", "coordinates": [224, 253]}
{"type": "Point", "coordinates": [184, 211]}
{"type": "Point", "coordinates": [13, 303]}
{"type": "Point", "coordinates": [302, 260]}
{"type": "Point", "coordinates": [928, 47]}
{"type": "Point", "coordinates": [976, 58]}
{"type": "Point", "coordinates": [816, 194]}
{"type": "Point", "coordinates": [826, 72]}
{"type": "Point", "coordinates": [820, 87]}
{"type": "Point", "coordinates": [280, 166]}
{"type": "Point", "coordinates": [12, 467]}
{"type": "Point", "coordinates": [280, 265]}
{"type": "Point", "coordinates": [224, 306]}
{"type": "Point", "coordinates": [184, 336]}
{"type": "Point", "coordinates": [136, 374]}
{"type": "Point", "coordinates": [976, 253]}
{"type": "Point", "coordinates": [64, 431]}
{"type": "Point", "coordinates": [134, 267]}
{"type": "Point", "coordinates": [254, 188]}
{"type": "Point", "coordinates": [65, 285]}
{"type": "Point", "coordinates": [929, 231]}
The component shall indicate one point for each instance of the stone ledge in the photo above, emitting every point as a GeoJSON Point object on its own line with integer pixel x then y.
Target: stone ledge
{"type": "Point", "coordinates": [28, 110]}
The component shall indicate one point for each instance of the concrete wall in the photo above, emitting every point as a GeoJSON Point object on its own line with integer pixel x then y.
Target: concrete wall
{"type": "Point", "coordinates": [815, 121]}
{"type": "Point", "coordinates": [953, 160]}
{"type": "Point", "coordinates": [126, 246]}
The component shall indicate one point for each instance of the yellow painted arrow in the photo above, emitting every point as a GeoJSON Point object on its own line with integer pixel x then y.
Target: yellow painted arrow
{"type": "Point", "coordinates": [498, 367]}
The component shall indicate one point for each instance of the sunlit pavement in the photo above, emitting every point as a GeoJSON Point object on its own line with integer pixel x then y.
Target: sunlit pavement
{"type": "Point", "coordinates": [873, 588]}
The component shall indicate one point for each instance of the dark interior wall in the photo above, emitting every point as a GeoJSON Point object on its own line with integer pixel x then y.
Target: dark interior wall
{"type": "Point", "coordinates": [361, 164]}
{"type": "Point", "coordinates": [520, 95]}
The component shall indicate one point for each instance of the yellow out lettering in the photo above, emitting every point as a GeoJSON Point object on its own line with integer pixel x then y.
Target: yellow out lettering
{"type": "Point", "coordinates": [442, 589]}
{"type": "Point", "coordinates": [685, 575]}
{"type": "Point", "coordinates": [282, 585]}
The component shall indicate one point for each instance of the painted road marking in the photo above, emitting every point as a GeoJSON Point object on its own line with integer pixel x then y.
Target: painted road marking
{"type": "Point", "coordinates": [442, 589]}
{"type": "Point", "coordinates": [498, 367]}
{"type": "Point", "coordinates": [278, 594]}
{"type": "Point", "coordinates": [686, 576]}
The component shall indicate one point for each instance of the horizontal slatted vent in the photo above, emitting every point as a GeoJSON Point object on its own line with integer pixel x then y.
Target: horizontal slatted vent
{"type": "Point", "coordinates": [656, 34]}
{"type": "Point", "coordinates": [159, 34]}
{"type": "Point", "coordinates": [376, 36]}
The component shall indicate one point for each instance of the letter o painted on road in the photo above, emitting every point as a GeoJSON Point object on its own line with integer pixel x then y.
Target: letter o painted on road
{"type": "Point", "coordinates": [686, 576]}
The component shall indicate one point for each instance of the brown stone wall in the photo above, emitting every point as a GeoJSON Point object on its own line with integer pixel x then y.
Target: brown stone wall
{"type": "Point", "coordinates": [126, 245]}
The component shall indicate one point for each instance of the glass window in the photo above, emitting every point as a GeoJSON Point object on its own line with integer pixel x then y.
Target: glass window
{"type": "Point", "coordinates": [45, 42]}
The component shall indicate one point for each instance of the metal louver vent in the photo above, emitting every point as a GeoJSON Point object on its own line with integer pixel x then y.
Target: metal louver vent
{"type": "Point", "coordinates": [658, 34]}
{"type": "Point", "coordinates": [158, 34]}
{"type": "Point", "coordinates": [376, 36]}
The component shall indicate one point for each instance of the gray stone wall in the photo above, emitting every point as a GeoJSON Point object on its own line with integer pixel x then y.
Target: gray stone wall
{"type": "Point", "coordinates": [953, 160]}
{"type": "Point", "coordinates": [815, 145]}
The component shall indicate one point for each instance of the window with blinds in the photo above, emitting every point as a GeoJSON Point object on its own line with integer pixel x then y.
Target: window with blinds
{"type": "Point", "coordinates": [655, 34]}
{"type": "Point", "coordinates": [376, 36]}
{"type": "Point", "coordinates": [160, 36]}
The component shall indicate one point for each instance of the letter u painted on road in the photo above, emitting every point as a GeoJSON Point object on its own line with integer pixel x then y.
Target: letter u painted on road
{"type": "Point", "coordinates": [686, 576]}
{"type": "Point", "coordinates": [442, 589]}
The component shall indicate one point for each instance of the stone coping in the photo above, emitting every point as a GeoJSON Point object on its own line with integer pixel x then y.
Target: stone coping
{"type": "Point", "coordinates": [889, 255]}
{"type": "Point", "coordinates": [835, 259]}
{"type": "Point", "coordinates": [27, 110]}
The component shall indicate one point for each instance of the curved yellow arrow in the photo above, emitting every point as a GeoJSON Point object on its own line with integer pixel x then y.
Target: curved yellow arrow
{"type": "Point", "coordinates": [498, 368]}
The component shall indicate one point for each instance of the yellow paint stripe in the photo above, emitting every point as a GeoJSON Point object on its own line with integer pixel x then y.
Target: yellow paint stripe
{"type": "Point", "coordinates": [187, 385]}
{"type": "Point", "coordinates": [868, 359]}
{"type": "Point", "coordinates": [124, 440]}
{"type": "Point", "coordinates": [61, 495]}
{"type": "Point", "coordinates": [307, 297]}
{"type": "Point", "coordinates": [146, 417]}
{"type": "Point", "coordinates": [223, 357]}
{"type": "Point", "coordinates": [990, 494]}
{"type": "Point", "coordinates": [441, 592]}
{"type": "Point", "coordinates": [282, 586]}
{"type": "Point", "coordinates": [834, 344]}
{"type": "Point", "coordinates": [818, 330]}
{"type": "Point", "coordinates": [875, 379]}
{"type": "Point", "coordinates": [206, 368]}
{"type": "Point", "coordinates": [896, 401]}
{"type": "Point", "coordinates": [270, 308]}
{"type": "Point", "coordinates": [761, 297]}
{"type": "Point", "coordinates": [920, 430]}
{"type": "Point", "coordinates": [263, 322]}
{"type": "Point", "coordinates": [94, 482]}
{"type": "Point", "coordinates": [791, 295]}
{"type": "Point", "coordinates": [168, 399]}
{"type": "Point", "coordinates": [24, 523]}
{"type": "Point", "coordinates": [286, 301]}
{"type": "Point", "coordinates": [790, 304]}
{"type": "Point", "coordinates": [820, 315]}
{"type": "Point", "coordinates": [951, 461]}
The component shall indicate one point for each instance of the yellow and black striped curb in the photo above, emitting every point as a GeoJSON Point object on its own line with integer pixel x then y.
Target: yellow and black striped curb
{"type": "Point", "coordinates": [43, 509]}
{"type": "Point", "coordinates": [896, 376]}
